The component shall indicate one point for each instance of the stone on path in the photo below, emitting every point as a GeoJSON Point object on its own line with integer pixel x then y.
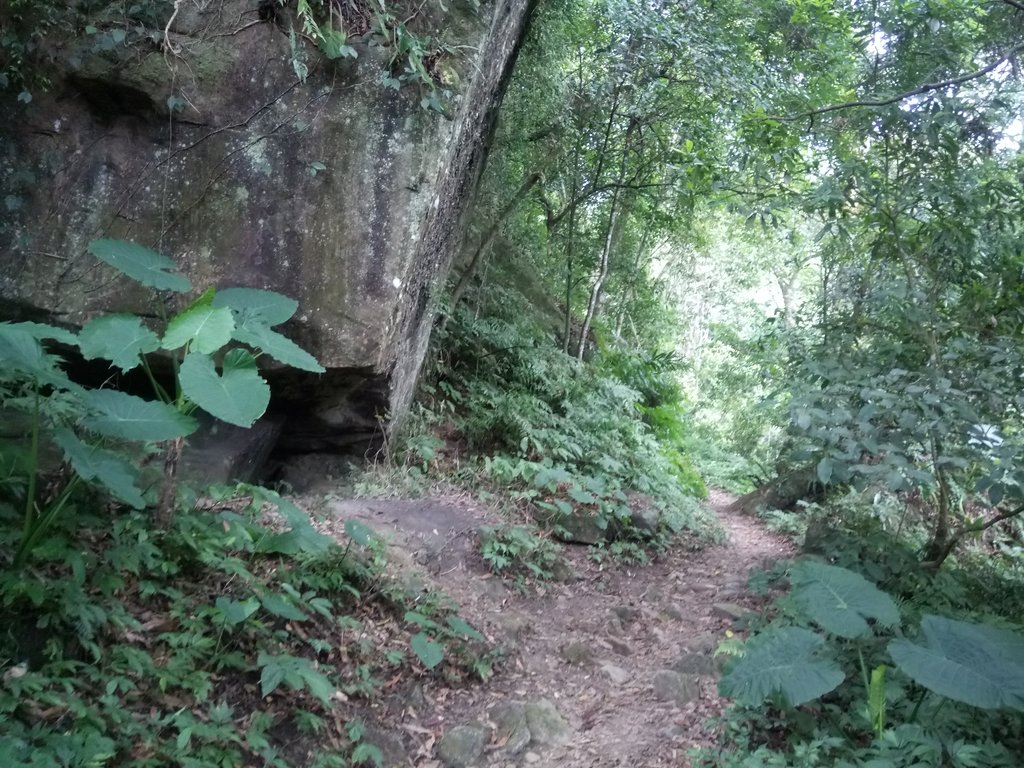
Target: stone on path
{"type": "Point", "coordinates": [705, 644]}
{"type": "Point", "coordinates": [575, 527]}
{"type": "Point", "coordinates": [578, 653]}
{"type": "Point", "coordinates": [463, 745]}
{"type": "Point", "coordinates": [389, 743]}
{"type": "Point", "coordinates": [676, 687]}
{"type": "Point", "coordinates": [547, 726]}
{"type": "Point", "coordinates": [627, 614]}
{"type": "Point", "coordinates": [646, 519]}
{"type": "Point", "coordinates": [616, 674]}
{"type": "Point", "coordinates": [562, 571]}
{"type": "Point", "coordinates": [729, 611]}
{"type": "Point", "coordinates": [511, 733]}
{"type": "Point", "coordinates": [695, 664]}
{"type": "Point", "coordinates": [673, 612]}
{"type": "Point", "coordinates": [514, 625]}
{"type": "Point", "coordinates": [621, 648]}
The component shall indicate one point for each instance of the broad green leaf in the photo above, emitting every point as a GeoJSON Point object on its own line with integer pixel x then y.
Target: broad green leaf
{"type": "Point", "coordinates": [461, 627]}
{"type": "Point", "coordinates": [271, 674]}
{"type": "Point", "coordinates": [783, 662]}
{"type": "Point", "coordinates": [43, 331]}
{"type": "Point", "coordinates": [825, 470]}
{"type": "Point", "coordinates": [279, 347]}
{"type": "Point", "coordinates": [205, 329]}
{"type": "Point", "coordinates": [297, 672]}
{"type": "Point", "coordinates": [877, 699]}
{"type": "Point", "coordinates": [121, 339]}
{"type": "Point", "coordinates": [552, 477]}
{"type": "Point", "coordinates": [237, 611]}
{"type": "Point", "coordinates": [283, 607]}
{"type": "Point", "coordinates": [360, 532]}
{"type": "Point", "coordinates": [580, 496]}
{"type": "Point", "coordinates": [124, 416]}
{"type": "Point", "coordinates": [976, 664]}
{"type": "Point", "coordinates": [421, 620]}
{"type": "Point", "coordinates": [840, 600]}
{"type": "Point", "coordinates": [317, 683]}
{"type": "Point", "coordinates": [266, 307]}
{"type": "Point", "coordinates": [428, 651]}
{"type": "Point", "coordinates": [21, 351]}
{"type": "Point", "coordinates": [109, 469]}
{"type": "Point", "coordinates": [140, 264]}
{"type": "Point", "coordinates": [301, 537]}
{"type": "Point", "coordinates": [238, 395]}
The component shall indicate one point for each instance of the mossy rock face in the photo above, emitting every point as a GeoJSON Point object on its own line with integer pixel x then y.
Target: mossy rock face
{"type": "Point", "coordinates": [337, 191]}
{"type": "Point", "coordinates": [463, 746]}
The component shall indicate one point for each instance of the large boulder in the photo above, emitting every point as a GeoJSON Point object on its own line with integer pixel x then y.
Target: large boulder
{"type": "Point", "coordinates": [337, 190]}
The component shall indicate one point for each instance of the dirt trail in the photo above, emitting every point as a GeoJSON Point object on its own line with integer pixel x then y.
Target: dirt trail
{"type": "Point", "coordinates": [624, 654]}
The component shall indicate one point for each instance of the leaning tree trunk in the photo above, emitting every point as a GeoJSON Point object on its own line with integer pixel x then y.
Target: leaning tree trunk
{"type": "Point", "coordinates": [569, 267]}
{"type": "Point", "coordinates": [488, 240]}
{"type": "Point", "coordinates": [602, 274]}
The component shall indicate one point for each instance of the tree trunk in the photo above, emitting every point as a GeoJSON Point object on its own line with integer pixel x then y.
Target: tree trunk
{"type": "Point", "coordinates": [595, 291]}
{"type": "Point", "coordinates": [609, 239]}
{"type": "Point", "coordinates": [488, 240]}
{"type": "Point", "coordinates": [569, 248]}
{"type": "Point", "coordinates": [169, 494]}
{"type": "Point", "coordinates": [937, 546]}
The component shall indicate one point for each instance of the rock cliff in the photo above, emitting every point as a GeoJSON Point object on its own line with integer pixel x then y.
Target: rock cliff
{"type": "Point", "coordinates": [334, 189]}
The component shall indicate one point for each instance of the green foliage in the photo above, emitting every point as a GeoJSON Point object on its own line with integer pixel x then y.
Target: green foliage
{"type": "Point", "coordinates": [146, 267]}
{"type": "Point", "coordinates": [128, 645]}
{"type": "Point", "coordinates": [100, 432]}
{"type": "Point", "coordinates": [877, 699]}
{"type": "Point", "coordinates": [518, 550]}
{"type": "Point", "coordinates": [442, 634]}
{"type": "Point", "coordinates": [237, 395]}
{"type": "Point", "coordinates": [840, 601]}
{"type": "Point", "coordinates": [783, 662]}
{"type": "Point", "coordinates": [561, 436]}
{"type": "Point", "coordinates": [413, 57]}
{"type": "Point", "coordinates": [24, 28]}
{"type": "Point", "coordinates": [119, 338]}
{"type": "Point", "coordinates": [427, 650]}
{"type": "Point", "coordinates": [977, 664]}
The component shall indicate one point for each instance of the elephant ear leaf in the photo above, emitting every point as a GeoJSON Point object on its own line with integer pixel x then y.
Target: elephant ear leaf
{"type": "Point", "coordinates": [122, 339]}
{"type": "Point", "coordinates": [255, 311]}
{"type": "Point", "coordinates": [106, 468]}
{"type": "Point", "coordinates": [781, 662]}
{"type": "Point", "coordinates": [254, 305]}
{"type": "Point", "coordinates": [427, 650]}
{"type": "Point", "coordinates": [140, 264]}
{"type": "Point", "coordinates": [839, 600]}
{"type": "Point", "coordinates": [237, 395]}
{"type": "Point", "coordinates": [124, 416]}
{"type": "Point", "coordinates": [976, 664]}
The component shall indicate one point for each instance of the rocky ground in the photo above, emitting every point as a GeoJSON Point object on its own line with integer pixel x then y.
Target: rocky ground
{"type": "Point", "coordinates": [612, 666]}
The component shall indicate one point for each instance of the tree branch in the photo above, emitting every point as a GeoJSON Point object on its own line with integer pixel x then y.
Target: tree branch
{"type": "Point", "coordinates": [554, 219]}
{"type": "Point", "coordinates": [957, 537]}
{"type": "Point", "coordinates": [989, 523]}
{"type": "Point", "coordinates": [920, 90]}
{"type": "Point", "coordinates": [1015, 4]}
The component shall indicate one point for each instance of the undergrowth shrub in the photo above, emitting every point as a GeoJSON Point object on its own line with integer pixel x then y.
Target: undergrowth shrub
{"type": "Point", "coordinates": [560, 435]}
{"type": "Point", "coordinates": [229, 639]}
{"type": "Point", "coordinates": [148, 624]}
{"type": "Point", "coordinates": [875, 659]}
